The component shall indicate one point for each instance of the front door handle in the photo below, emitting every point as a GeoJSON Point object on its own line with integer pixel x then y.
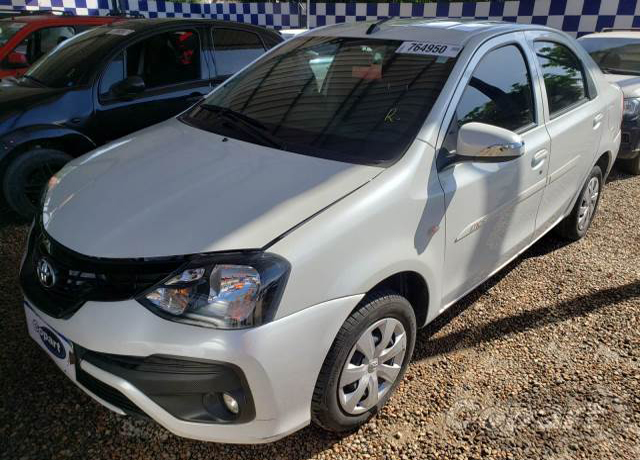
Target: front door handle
{"type": "Point", "coordinates": [539, 158]}
{"type": "Point", "coordinates": [597, 119]}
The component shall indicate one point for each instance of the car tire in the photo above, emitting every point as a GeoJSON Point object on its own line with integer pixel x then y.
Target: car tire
{"type": "Point", "coordinates": [576, 224]}
{"type": "Point", "coordinates": [631, 166]}
{"type": "Point", "coordinates": [339, 408]}
{"type": "Point", "coordinates": [26, 176]}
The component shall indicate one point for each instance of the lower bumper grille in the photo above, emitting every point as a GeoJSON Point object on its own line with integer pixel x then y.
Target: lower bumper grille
{"type": "Point", "coordinates": [108, 393]}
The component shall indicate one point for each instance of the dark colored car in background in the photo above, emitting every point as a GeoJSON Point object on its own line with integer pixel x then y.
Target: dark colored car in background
{"type": "Point", "coordinates": [25, 38]}
{"type": "Point", "coordinates": [107, 83]}
{"type": "Point", "coordinates": [617, 53]}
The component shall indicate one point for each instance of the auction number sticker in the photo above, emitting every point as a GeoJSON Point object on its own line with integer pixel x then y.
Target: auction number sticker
{"type": "Point", "coordinates": [429, 49]}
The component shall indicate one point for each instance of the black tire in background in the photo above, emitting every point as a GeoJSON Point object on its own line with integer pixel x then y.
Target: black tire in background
{"type": "Point", "coordinates": [26, 177]}
{"type": "Point", "coordinates": [576, 224]}
{"type": "Point", "coordinates": [631, 166]}
{"type": "Point", "coordinates": [326, 409]}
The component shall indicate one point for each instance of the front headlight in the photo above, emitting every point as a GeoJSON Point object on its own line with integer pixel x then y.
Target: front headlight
{"type": "Point", "coordinates": [631, 108]}
{"type": "Point", "coordinates": [231, 291]}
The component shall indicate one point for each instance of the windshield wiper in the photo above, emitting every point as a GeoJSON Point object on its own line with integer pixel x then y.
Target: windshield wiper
{"type": "Point", "coordinates": [254, 127]}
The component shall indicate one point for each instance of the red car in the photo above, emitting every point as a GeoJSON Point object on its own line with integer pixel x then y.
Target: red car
{"type": "Point", "coordinates": [23, 39]}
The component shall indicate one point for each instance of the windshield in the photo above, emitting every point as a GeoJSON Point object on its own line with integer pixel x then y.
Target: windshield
{"type": "Point", "coordinates": [349, 99]}
{"type": "Point", "coordinates": [70, 62]}
{"type": "Point", "coordinates": [8, 29]}
{"type": "Point", "coordinates": [614, 55]}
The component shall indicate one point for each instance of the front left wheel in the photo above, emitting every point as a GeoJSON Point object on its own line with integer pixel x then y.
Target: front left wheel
{"type": "Point", "coordinates": [365, 363]}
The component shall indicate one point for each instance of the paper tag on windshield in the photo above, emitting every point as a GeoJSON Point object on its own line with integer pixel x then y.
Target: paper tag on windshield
{"type": "Point", "coordinates": [123, 32]}
{"type": "Point", "coordinates": [429, 49]}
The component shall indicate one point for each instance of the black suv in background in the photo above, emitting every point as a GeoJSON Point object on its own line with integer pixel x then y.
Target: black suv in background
{"type": "Point", "coordinates": [109, 82]}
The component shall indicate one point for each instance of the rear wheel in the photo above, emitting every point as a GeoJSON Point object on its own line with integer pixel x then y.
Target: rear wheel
{"type": "Point", "coordinates": [576, 224]}
{"type": "Point", "coordinates": [365, 363]}
{"type": "Point", "coordinates": [26, 177]}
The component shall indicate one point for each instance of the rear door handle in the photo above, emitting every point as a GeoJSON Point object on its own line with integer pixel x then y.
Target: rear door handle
{"type": "Point", "coordinates": [539, 158]}
{"type": "Point", "coordinates": [597, 119]}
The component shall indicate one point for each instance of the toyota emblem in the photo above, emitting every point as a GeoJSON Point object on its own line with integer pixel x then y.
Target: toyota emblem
{"type": "Point", "coordinates": [46, 274]}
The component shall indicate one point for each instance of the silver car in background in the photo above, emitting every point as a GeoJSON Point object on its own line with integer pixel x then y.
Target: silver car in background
{"type": "Point", "coordinates": [265, 259]}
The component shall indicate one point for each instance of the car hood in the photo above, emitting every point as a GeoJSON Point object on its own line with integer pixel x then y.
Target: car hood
{"type": "Point", "coordinates": [173, 190]}
{"type": "Point", "coordinates": [630, 84]}
{"type": "Point", "coordinates": [15, 99]}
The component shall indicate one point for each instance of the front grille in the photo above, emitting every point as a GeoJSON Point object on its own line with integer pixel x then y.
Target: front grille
{"type": "Point", "coordinates": [108, 393]}
{"type": "Point", "coordinates": [80, 278]}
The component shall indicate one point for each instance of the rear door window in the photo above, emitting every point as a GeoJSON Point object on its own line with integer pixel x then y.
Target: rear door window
{"type": "Point", "coordinates": [234, 49]}
{"type": "Point", "coordinates": [564, 77]}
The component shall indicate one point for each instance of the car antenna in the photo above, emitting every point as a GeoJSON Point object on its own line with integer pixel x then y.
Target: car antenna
{"type": "Point", "coordinates": [376, 25]}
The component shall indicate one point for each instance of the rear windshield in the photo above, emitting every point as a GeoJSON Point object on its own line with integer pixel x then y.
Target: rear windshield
{"type": "Point", "coordinates": [614, 55]}
{"type": "Point", "coordinates": [8, 29]}
{"type": "Point", "coordinates": [349, 99]}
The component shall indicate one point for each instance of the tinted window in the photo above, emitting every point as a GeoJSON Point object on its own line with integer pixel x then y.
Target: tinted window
{"type": "Point", "coordinates": [502, 98]}
{"type": "Point", "coordinates": [161, 60]}
{"type": "Point", "coordinates": [350, 99]}
{"type": "Point", "coordinates": [234, 49]}
{"type": "Point", "coordinates": [165, 59]}
{"type": "Point", "coordinates": [42, 41]}
{"type": "Point", "coordinates": [112, 74]}
{"type": "Point", "coordinates": [563, 75]}
{"type": "Point", "coordinates": [614, 55]}
{"type": "Point", "coordinates": [8, 29]}
{"type": "Point", "coordinates": [74, 61]}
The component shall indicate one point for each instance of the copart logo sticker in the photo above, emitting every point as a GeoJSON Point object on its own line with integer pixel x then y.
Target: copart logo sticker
{"type": "Point", "coordinates": [50, 340]}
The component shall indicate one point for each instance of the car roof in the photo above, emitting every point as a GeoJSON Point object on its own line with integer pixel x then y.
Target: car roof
{"type": "Point", "coordinates": [52, 18]}
{"type": "Point", "coordinates": [144, 24]}
{"type": "Point", "coordinates": [450, 31]}
{"type": "Point", "coordinates": [631, 33]}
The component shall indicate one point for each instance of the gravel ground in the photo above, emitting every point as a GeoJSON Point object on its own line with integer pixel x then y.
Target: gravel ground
{"type": "Point", "coordinates": [543, 361]}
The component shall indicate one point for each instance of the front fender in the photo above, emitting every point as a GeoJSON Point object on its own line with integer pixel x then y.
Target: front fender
{"type": "Point", "coordinates": [71, 141]}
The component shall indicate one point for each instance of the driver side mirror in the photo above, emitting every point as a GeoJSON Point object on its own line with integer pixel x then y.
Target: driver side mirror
{"type": "Point", "coordinates": [486, 143]}
{"type": "Point", "coordinates": [17, 60]}
{"type": "Point", "coordinates": [128, 87]}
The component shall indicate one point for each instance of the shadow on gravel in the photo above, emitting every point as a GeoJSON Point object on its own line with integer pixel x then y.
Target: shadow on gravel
{"type": "Point", "coordinates": [525, 321]}
{"type": "Point", "coordinates": [8, 217]}
{"type": "Point", "coordinates": [617, 174]}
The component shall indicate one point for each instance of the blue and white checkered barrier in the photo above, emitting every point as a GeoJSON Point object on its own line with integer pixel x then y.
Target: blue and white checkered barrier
{"type": "Point", "coordinates": [276, 15]}
{"type": "Point", "coordinates": [576, 17]}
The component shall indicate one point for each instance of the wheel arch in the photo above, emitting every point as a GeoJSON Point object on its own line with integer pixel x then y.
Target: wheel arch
{"type": "Point", "coordinates": [57, 137]}
{"type": "Point", "coordinates": [605, 162]}
{"type": "Point", "coordinates": [412, 286]}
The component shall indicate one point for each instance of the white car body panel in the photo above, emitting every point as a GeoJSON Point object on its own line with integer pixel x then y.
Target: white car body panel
{"type": "Point", "coordinates": [174, 190]}
{"type": "Point", "coordinates": [269, 191]}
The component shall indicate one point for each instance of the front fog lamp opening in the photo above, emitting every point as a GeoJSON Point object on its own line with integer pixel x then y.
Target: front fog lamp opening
{"type": "Point", "coordinates": [230, 403]}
